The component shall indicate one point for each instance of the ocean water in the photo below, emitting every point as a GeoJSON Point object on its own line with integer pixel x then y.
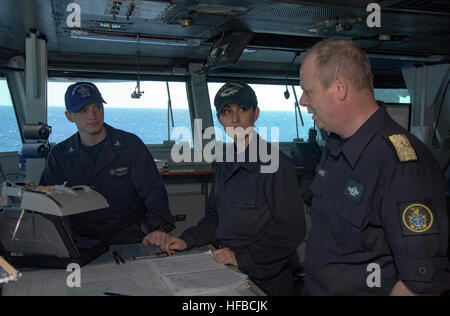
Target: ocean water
{"type": "Point", "coordinates": [149, 124]}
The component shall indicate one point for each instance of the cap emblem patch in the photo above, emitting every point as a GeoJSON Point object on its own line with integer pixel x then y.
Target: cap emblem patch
{"type": "Point", "coordinates": [230, 90]}
{"type": "Point", "coordinates": [83, 91]}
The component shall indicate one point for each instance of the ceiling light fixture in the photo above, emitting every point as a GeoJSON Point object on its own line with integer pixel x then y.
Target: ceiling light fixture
{"type": "Point", "coordinates": [135, 38]}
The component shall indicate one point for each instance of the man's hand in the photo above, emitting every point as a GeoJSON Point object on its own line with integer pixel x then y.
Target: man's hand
{"type": "Point", "coordinates": [225, 256]}
{"type": "Point", "coordinates": [156, 238]}
{"type": "Point", "coordinates": [173, 244]}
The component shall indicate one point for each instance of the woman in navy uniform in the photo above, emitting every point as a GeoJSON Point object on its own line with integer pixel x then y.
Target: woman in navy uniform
{"type": "Point", "coordinates": [379, 215]}
{"type": "Point", "coordinates": [255, 218]}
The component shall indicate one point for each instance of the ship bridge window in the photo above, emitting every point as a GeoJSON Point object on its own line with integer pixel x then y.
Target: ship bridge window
{"type": "Point", "coordinates": [275, 112]}
{"type": "Point", "coordinates": [393, 95]}
{"type": "Point", "coordinates": [9, 131]}
{"type": "Point", "coordinates": [145, 116]}
{"type": "Point", "coordinates": [398, 104]}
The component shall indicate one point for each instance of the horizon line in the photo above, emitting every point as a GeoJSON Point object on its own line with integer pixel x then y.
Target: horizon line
{"type": "Point", "coordinates": [153, 108]}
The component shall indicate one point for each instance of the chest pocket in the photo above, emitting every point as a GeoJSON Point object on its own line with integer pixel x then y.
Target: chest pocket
{"type": "Point", "coordinates": [348, 220]}
{"type": "Point", "coordinates": [252, 217]}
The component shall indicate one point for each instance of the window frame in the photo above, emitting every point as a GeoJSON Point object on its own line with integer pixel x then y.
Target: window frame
{"type": "Point", "coordinates": [127, 78]}
{"type": "Point", "coordinates": [5, 79]}
{"type": "Point", "coordinates": [281, 83]}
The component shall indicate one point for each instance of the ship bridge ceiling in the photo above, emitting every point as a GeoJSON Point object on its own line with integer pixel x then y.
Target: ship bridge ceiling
{"type": "Point", "coordinates": [110, 33]}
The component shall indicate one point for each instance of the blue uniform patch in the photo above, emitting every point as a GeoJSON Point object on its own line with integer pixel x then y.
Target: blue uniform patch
{"type": "Point", "coordinates": [354, 190]}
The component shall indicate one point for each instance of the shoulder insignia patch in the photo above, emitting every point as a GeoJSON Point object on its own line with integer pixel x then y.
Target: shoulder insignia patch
{"type": "Point", "coordinates": [354, 190]}
{"type": "Point", "coordinates": [417, 218]}
{"type": "Point", "coordinates": [405, 151]}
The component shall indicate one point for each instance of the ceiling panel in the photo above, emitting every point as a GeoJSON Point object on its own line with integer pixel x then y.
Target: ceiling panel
{"type": "Point", "coordinates": [283, 27]}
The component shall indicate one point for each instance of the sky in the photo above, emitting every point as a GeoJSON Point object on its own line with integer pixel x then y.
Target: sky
{"type": "Point", "coordinates": [5, 98]}
{"type": "Point", "coordinates": [118, 95]}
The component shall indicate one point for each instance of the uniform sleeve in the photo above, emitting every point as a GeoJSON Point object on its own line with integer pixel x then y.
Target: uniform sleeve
{"type": "Point", "coordinates": [415, 219]}
{"type": "Point", "coordinates": [204, 232]}
{"type": "Point", "coordinates": [265, 258]}
{"type": "Point", "coordinates": [150, 188]}
{"type": "Point", "coordinates": [52, 174]}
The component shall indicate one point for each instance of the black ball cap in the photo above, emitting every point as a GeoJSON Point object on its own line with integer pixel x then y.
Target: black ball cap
{"type": "Point", "coordinates": [235, 92]}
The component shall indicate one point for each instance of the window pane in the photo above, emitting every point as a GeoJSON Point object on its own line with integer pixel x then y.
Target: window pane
{"type": "Point", "coordinates": [275, 111]}
{"type": "Point", "coordinates": [9, 131]}
{"type": "Point", "coordinates": [61, 127]}
{"type": "Point", "coordinates": [146, 117]}
{"type": "Point", "coordinates": [393, 95]}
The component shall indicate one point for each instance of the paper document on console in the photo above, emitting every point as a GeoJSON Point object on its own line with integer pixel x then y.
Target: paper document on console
{"type": "Point", "coordinates": [198, 274]}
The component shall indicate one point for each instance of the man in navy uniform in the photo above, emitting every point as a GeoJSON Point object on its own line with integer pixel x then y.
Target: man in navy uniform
{"type": "Point", "coordinates": [115, 163]}
{"type": "Point", "coordinates": [379, 215]}
{"type": "Point", "coordinates": [254, 214]}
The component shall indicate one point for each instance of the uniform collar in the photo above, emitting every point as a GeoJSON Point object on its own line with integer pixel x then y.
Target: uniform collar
{"type": "Point", "coordinates": [356, 144]}
{"type": "Point", "coordinates": [114, 142]}
{"type": "Point", "coordinates": [113, 139]}
{"type": "Point", "coordinates": [229, 168]}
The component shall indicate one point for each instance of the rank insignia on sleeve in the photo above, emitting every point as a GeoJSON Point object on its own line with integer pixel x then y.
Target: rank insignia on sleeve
{"type": "Point", "coordinates": [417, 218]}
{"type": "Point", "coordinates": [405, 151]}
